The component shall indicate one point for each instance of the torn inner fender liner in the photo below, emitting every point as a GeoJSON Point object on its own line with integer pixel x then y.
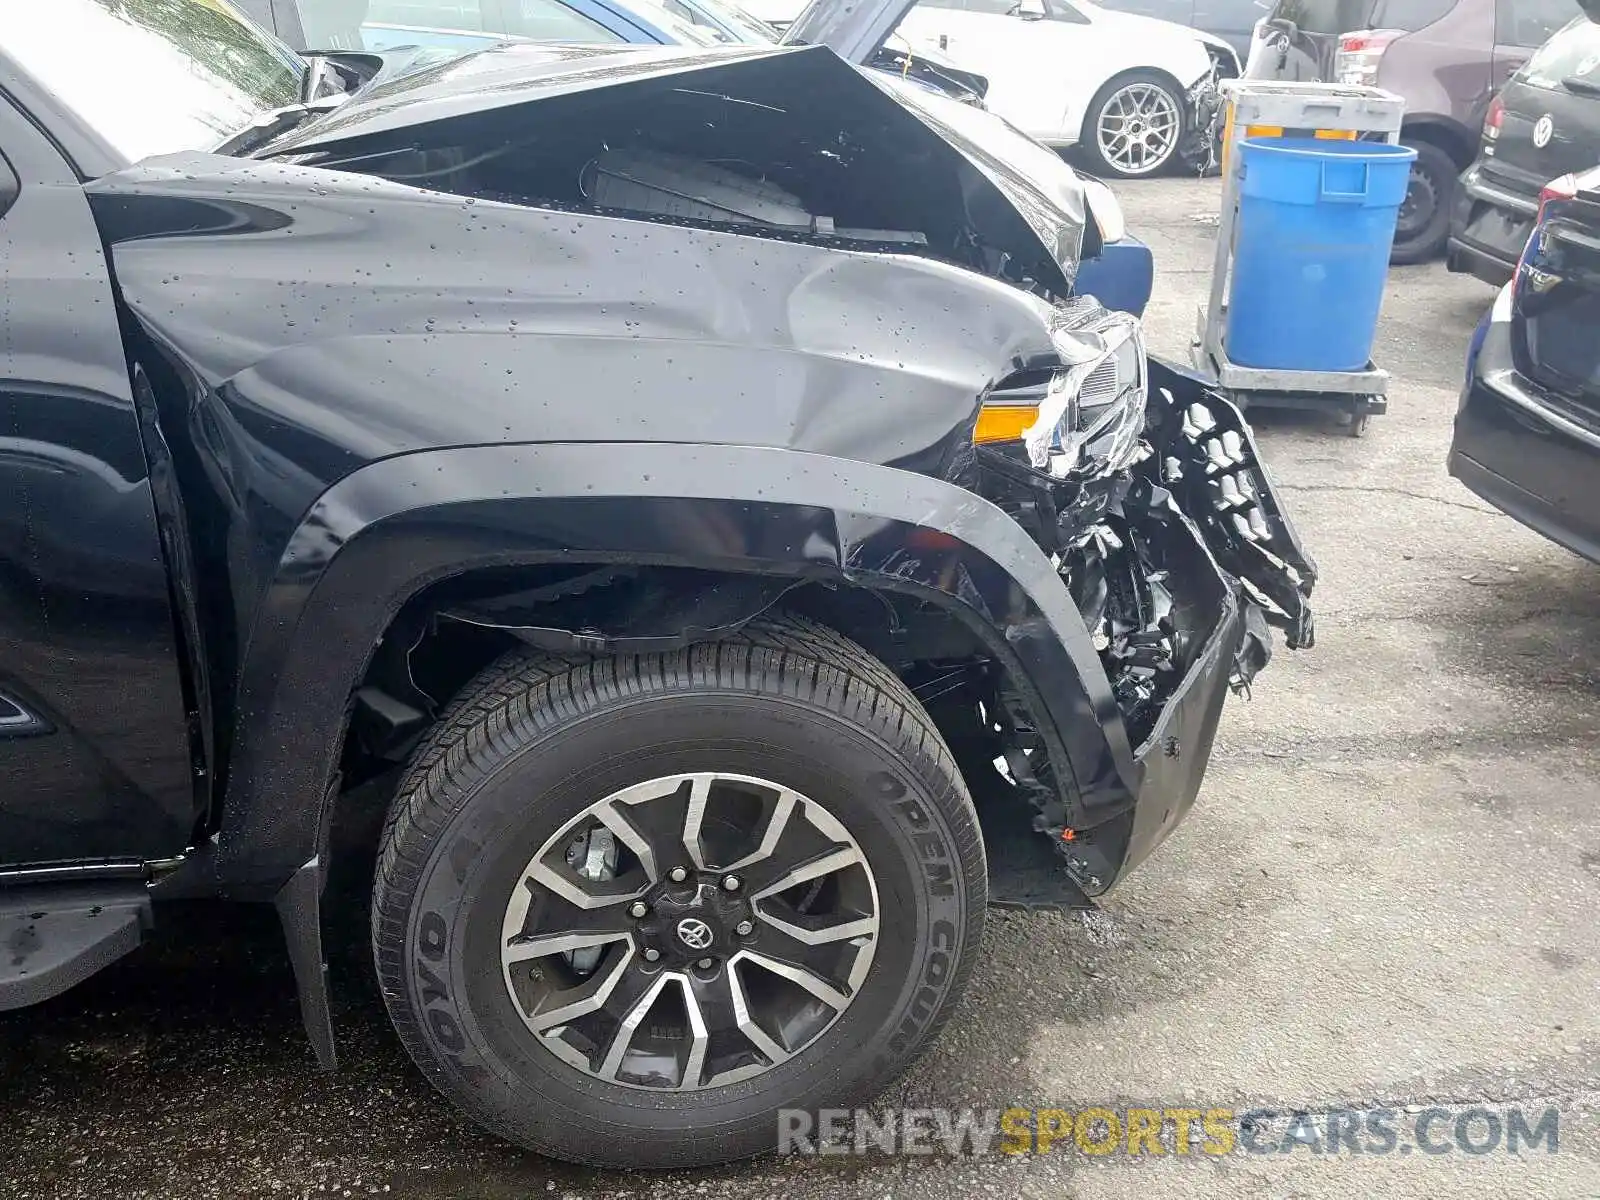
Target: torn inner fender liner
{"type": "Point", "coordinates": [787, 143]}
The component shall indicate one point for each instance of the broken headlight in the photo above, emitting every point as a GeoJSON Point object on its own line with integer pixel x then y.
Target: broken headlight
{"type": "Point", "coordinates": [1092, 414]}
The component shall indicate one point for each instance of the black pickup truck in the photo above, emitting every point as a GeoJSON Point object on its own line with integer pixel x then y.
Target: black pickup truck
{"type": "Point", "coordinates": [686, 481]}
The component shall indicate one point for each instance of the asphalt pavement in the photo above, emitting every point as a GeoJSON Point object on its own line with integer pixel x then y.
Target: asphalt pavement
{"type": "Point", "coordinates": [1385, 900]}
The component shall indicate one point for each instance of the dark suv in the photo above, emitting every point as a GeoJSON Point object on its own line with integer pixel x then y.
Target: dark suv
{"type": "Point", "coordinates": [682, 486]}
{"type": "Point", "coordinates": [1544, 123]}
{"type": "Point", "coordinates": [1445, 58]}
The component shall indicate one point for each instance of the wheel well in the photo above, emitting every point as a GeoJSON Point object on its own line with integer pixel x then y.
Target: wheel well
{"type": "Point", "coordinates": [1167, 78]}
{"type": "Point", "coordinates": [1453, 140]}
{"type": "Point", "coordinates": [428, 654]}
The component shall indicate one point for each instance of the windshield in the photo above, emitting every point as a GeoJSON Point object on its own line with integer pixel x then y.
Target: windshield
{"type": "Point", "coordinates": [152, 76]}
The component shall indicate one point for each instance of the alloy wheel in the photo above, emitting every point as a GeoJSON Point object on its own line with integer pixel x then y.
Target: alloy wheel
{"type": "Point", "coordinates": [1138, 128]}
{"type": "Point", "coordinates": [689, 932]}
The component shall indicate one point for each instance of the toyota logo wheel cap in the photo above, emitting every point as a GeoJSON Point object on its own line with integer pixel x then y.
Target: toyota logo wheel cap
{"type": "Point", "coordinates": [694, 933]}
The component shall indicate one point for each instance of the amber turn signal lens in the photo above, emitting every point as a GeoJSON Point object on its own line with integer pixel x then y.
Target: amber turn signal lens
{"type": "Point", "coordinates": [1004, 422]}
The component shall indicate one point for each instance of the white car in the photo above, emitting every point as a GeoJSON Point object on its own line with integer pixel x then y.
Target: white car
{"type": "Point", "coordinates": [1130, 89]}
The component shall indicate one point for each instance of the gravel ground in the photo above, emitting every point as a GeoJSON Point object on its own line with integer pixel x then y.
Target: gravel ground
{"type": "Point", "coordinates": [1385, 898]}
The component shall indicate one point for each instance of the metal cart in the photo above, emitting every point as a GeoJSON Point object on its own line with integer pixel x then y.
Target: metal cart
{"type": "Point", "coordinates": [1264, 109]}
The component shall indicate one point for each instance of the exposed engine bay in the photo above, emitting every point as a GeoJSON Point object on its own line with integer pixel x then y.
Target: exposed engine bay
{"type": "Point", "coordinates": [967, 87]}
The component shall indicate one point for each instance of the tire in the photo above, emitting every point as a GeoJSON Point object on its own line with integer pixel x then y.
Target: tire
{"type": "Point", "coordinates": [1424, 222]}
{"type": "Point", "coordinates": [518, 757]}
{"type": "Point", "coordinates": [1160, 90]}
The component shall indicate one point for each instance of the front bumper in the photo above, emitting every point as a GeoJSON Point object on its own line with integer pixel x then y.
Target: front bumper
{"type": "Point", "coordinates": [1266, 576]}
{"type": "Point", "coordinates": [1489, 226]}
{"type": "Point", "coordinates": [1517, 448]}
{"type": "Point", "coordinates": [1221, 560]}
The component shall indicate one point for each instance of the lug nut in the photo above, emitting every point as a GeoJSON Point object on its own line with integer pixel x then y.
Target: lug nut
{"type": "Point", "coordinates": [638, 909]}
{"type": "Point", "coordinates": [745, 928]}
{"type": "Point", "coordinates": [677, 874]}
{"type": "Point", "coordinates": [731, 883]}
{"type": "Point", "coordinates": [704, 964]}
{"type": "Point", "coordinates": [651, 954]}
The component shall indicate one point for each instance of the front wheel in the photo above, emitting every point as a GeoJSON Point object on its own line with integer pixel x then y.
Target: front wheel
{"type": "Point", "coordinates": [628, 909]}
{"type": "Point", "coordinates": [1133, 126]}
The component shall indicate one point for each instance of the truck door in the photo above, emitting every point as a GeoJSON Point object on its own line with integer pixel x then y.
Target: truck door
{"type": "Point", "coordinates": [94, 750]}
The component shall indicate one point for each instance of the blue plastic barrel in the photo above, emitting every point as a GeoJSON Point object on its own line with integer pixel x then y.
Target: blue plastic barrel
{"type": "Point", "coordinates": [1311, 250]}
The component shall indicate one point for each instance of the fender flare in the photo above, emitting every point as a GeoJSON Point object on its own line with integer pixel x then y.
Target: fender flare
{"type": "Point", "coordinates": [385, 532]}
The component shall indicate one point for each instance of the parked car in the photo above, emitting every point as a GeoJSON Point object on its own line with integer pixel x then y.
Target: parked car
{"type": "Point", "coordinates": [1134, 93]}
{"type": "Point", "coordinates": [1545, 123]}
{"type": "Point", "coordinates": [1233, 21]}
{"type": "Point", "coordinates": [891, 53]}
{"type": "Point", "coordinates": [674, 475]}
{"type": "Point", "coordinates": [1527, 435]}
{"type": "Point", "coordinates": [1120, 273]}
{"type": "Point", "coordinates": [1444, 58]}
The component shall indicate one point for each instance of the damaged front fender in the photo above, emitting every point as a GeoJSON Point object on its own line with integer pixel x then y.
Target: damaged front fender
{"type": "Point", "coordinates": [399, 526]}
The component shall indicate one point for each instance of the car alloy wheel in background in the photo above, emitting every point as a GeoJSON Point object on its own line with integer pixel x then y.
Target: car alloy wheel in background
{"type": "Point", "coordinates": [1135, 124]}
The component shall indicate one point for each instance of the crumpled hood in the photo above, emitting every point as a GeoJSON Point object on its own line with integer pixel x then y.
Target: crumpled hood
{"type": "Point", "coordinates": [808, 91]}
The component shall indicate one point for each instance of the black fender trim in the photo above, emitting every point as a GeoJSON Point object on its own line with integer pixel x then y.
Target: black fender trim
{"type": "Point", "coordinates": [387, 531]}
{"type": "Point", "coordinates": [299, 905]}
